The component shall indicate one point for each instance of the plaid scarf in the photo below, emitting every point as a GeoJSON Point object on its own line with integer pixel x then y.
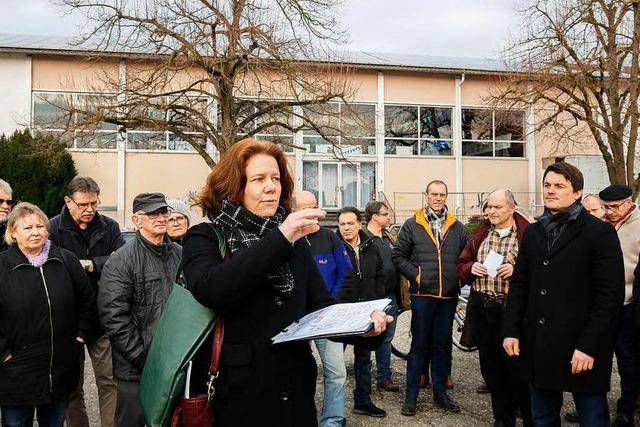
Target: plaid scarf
{"type": "Point", "coordinates": [436, 221]}
{"type": "Point", "coordinates": [242, 229]}
{"type": "Point", "coordinates": [554, 225]}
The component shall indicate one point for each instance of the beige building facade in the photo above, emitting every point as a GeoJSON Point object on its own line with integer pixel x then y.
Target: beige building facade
{"type": "Point", "coordinates": [425, 118]}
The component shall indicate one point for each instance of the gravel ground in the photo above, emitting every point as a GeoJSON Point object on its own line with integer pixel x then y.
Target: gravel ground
{"type": "Point", "coordinates": [476, 408]}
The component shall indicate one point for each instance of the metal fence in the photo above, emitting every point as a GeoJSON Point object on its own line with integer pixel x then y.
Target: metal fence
{"type": "Point", "coordinates": [465, 205]}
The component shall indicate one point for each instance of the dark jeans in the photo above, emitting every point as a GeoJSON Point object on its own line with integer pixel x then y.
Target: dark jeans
{"type": "Point", "coordinates": [431, 323]}
{"type": "Point", "coordinates": [383, 353]}
{"type": "Point", "coordinates": [505, 376]}
{"type": "Point", "coordinates": [362, 373]}
{"type": "Point", "coordinates": [627, 356]}
{"type": "Point", "coordinates": [546, 405]}
{"type": "Point", "coordinates": [128, 408]}
{"type": "Point", "coordinates": [50, 415]}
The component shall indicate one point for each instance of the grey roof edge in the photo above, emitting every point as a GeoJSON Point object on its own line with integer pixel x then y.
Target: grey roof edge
{"type": "Point", "coordinates": [65, 46]}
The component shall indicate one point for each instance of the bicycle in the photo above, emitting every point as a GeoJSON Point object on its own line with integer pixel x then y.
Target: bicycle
{"type": "Point", "coordinates": [401, 342]}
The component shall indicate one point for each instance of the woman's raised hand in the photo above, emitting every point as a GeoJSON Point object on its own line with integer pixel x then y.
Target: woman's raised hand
{"type": "Point", "coordinates": [300, 223]}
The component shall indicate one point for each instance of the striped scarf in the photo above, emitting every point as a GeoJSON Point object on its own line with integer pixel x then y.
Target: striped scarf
{"type": "Point", "coordinates": [242, 229]}
{"type": "Point", "coordinates": [436, 221]}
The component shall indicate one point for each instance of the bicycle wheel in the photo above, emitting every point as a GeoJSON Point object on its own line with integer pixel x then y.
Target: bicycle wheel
{"type": "Point", "coordinates": [458, 326]}
{"type": "Point", "coordinates": [401, 342]}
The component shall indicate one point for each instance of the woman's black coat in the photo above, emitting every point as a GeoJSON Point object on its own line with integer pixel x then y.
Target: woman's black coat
{"type": "Point", "coordinates": [566, 298]}
{"type": "Point", "coordinates": [260, 384]}
{"type": "Point", "coordinates": [44, 366]}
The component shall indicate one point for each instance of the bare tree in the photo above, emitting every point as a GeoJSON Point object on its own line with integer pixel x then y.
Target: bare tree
{"type": "Point", "coordinates": [215, 71]}
{"type": "Point", "coordinates": [576, 61]}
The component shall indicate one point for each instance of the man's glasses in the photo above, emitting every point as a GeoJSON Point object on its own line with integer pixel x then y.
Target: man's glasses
{"type": "Point", "coordinates": [614, 207]}
{"type": "Point", "coordinates": [156, 214]}
{"type": "Point", "coordinates": [383, 214]}
{"type": "Point", "coordinates": [84, 206]}
{"type": "Point", "coordinates": [7, 202]}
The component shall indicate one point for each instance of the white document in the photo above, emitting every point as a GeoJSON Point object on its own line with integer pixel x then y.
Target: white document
{"type": "Point", "coordinates": [493, 261]}
{"type": "Point", "coordinates": [333, 321]}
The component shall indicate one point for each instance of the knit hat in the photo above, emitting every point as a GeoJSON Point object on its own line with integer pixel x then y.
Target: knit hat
{"type": "Point", "coordinates": [178, 205]}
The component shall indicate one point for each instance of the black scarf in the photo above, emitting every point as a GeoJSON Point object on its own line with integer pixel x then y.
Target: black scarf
{"type": "Point", "coordinates": [242, 229]}
{"type": "Point", "coordinates": [555, 224]}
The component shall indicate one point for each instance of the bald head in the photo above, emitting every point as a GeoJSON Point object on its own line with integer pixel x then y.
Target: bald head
{"type": "Point", "coordinates": [501, 205]}
{"type": "Point", "coordinates": [304, 200]}
{"type": "Point", "coordinates": [593, 205]}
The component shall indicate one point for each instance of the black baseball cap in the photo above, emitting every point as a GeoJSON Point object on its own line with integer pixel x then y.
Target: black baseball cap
{"type": "Point", "coordinates": [149, 202]}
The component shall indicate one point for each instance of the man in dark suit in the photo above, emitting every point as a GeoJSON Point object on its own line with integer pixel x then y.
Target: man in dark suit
{"type": "Point", "coordinates": [564, 303]}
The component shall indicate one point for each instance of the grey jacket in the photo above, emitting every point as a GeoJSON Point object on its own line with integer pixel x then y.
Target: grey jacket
{"type": "Point", "coordinates": [417, 253]}
{"type": "Point", "coordinates": [135, 285]}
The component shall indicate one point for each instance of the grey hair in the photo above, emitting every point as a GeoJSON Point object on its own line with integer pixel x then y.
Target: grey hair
{"type": "Point", "coordinates": [5, 187]}
{"type": "Point", "coordinates": [82, 184]}
{"type": "Point", "coordinates": [508, 194]}
{"type": "Point", "coordinates": [596, 197]}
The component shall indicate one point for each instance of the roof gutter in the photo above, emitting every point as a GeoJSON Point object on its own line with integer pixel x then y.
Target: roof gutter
{"type": "Point", "coordinates": [360, 66]}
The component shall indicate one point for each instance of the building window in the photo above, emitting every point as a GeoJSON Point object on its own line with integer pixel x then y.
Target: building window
{"type": "Point", "coordinates": [345, 130]}
{"type": "Point", "coordinates": [336, 184]}
{"type": "Point", "coordinates": [493, 133]}
{"type": "Point", "coordinates": [54, 113]}
{"type": "Point", "coordinates": [267, 127]}
{"type": "Point", "coordinates": [418, 130]}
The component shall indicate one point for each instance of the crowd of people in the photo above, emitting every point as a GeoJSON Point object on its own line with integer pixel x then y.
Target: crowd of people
{"type": "Point", "coordinates": [550, 302]}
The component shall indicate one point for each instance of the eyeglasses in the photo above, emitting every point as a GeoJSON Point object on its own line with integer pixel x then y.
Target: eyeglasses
{"type": "Point", "coordinates": [8, 202]}
{"type": "Point", "coordinates": [178, 219]}
{"type": "Point", "coordinates": [614, 207]}
{"type": "Point", "coordinates": [156, 214]}
{"type": "Point", "coordinates": [85, 206]}
{"type": "Point", "coordinates": [383, 214]}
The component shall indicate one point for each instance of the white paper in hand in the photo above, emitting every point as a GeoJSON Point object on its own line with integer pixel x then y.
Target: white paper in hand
{"type": "Point", "coordinates": [333, 321]}
{"type": "Point", "coordinates": [492, 262]}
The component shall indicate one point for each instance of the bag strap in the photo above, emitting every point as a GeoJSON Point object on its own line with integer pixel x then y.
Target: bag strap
{"type": "Point", "coordinates": [218, 331]}
{"type": "Point", "coordinates": [216, 346]}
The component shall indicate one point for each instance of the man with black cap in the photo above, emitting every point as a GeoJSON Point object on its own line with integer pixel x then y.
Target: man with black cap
{"type": "Point", "coordinates": [135, 285]}
{"type": "Point", "coordinates": [624, 215]}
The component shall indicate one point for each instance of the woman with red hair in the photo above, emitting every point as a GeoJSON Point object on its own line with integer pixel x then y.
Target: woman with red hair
{"type": "Point", "coordinates": [268, 281]}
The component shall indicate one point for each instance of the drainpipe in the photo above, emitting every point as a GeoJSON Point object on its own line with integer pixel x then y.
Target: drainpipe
{"type": "Point", "coordinates": [457, 141]}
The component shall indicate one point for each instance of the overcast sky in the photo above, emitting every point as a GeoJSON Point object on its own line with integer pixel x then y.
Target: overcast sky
{"type": "Point", "coordinates": [472, 28]}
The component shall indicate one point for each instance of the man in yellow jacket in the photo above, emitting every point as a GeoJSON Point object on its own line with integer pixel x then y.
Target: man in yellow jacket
{"type": "Point", "coordinates": [426, 251]}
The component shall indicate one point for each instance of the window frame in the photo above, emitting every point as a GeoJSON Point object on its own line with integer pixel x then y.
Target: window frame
{"type": "Point", "coordinates": [493, 139]}
{"type": "Point", "coordinates": [419, 139]}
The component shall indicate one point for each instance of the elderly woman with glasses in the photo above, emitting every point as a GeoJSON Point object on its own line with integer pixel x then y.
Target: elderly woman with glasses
{"type": "Point", "coordinates": [179, 220]}
{"type": "Point", "coordinates": [47, 308]}
{"type": "Point", "coordinates": [266, 281]}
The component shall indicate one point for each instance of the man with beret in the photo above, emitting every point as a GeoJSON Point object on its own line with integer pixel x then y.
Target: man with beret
{"type": "Point", "coordinates": [624, 215]}
{"type": "Point", "coordinates": [135, 285]}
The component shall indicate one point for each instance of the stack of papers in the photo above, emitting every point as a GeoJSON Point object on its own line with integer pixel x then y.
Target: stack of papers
{"type": "Point", "coordinates": [336, 320]}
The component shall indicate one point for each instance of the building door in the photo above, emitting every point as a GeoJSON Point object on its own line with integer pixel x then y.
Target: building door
{"type": "Point", "coordinates": [338, 184]}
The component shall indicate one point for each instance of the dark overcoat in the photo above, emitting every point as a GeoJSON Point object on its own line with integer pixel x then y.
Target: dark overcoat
{"type": "Point", "coordinates": [260, 384]}
{"type": "Point", "coordinates": [42, 311]}
{"type": "Point", "coordinates": [567, 297]}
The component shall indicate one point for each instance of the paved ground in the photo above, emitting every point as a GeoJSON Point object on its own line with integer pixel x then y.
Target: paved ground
{"type": "Point", "coordinates": [476, 410]}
